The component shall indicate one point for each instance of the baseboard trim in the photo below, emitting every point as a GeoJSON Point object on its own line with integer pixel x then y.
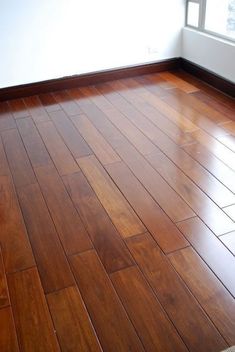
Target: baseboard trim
{"type": "Point", "coordinates": [209, 77]}
{"type": "Point", "coordinates": [87, 79]}
{"type": "Point", "coordinates": [201, 73]}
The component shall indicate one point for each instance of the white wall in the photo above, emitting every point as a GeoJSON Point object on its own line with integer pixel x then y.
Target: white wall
{"type": "Point", "coordinates": [214, 54]}
{"type": "Point", "coordinates": [45, 39]}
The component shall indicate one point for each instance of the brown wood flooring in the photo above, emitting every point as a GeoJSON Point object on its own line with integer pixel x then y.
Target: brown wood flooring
{"type": "Point", "coordinates": [117, 218]}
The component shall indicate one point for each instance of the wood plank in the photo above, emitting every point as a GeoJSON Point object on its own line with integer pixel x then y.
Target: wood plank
{"type": "Point", "coordinates": [159, 189]}
{"type": "Point", "coordinates": [59, 152]}
{"type": "Point", "coordinates": [122, 215]}
{"type": "Point", "coordinates": [6, 119]}
{"type": "Point", "coordinates": [180, 103]}
{"type": "Point", "coordinates": [215, 104]}
{"type": "Point", "coordinates": [17, 158]}
{"type": "Point", "coordinates": [216, 167]}
{"type": "Point", "coordinates": [33, 322]}
{"type": "Point", "coordinates": [137, 118]}
{"type": "Point", "coordinates": [206, 88]}
{"type": "Point", "coordinates": [103, 151]}
{"type": "Point", "coordinates": [210, 249]}
{"type": "Point", "coordinates": [68, 105]}
{"type": "Point", "coordinates": [160, 84]}
{"type": "Point", "coordinates": [158, 224]}
{"type": "Point", "coordinates": [199, 175]}
{"type": "Point", "coordinates": [229, 241]}
{"type": "Point", "coordinates": [49, 102]}
{"type": "Point", "coordinates": [16, 250]}
{"type": "Point", "coordinates": [4, 168]}
{"type": "Point", "coordinates": [155, 330]}
{"type": "Point", "coordinates": [158, 119]}
{"type": "Point", "coordinates": [137, 165]}
{"type": "Point", "coordinates": [8, 338]}
{"type": "Point", "coordinates": [147, 92]}
{"type": "Point", "coordinates": [33, 143]}
{"type": "Point", "coordinates": [111, 249]}
{"type": "Point", "coordinates": [210, 293]}
{"type": "Point", "coordinates": [36, 109]}
{"type": "Point", "coordinates": [230, 211]}
{"type": "Point", "coordinates": [203, 206]}
{"type": "Point", "coordinates": [72, 323]}
{"type": "Point", "coordinates": [127, 128]}
{"type": "Point", "coordinates": [71, 231]}
{"type": "Point", "coordinates": [103, 305]}
{"type": "Point", "coordinates": [180, 83]}
{"type": "Point", "coordinates": [49, 255]}
{"type": "Point", "coordinates": [216, 148]}
{"type": "Point", "coordinates": [68, 132]}
{"type": "Point", "coordinates": [4, 297]}
{"type": "Point", "coordinates": [202, 107]}
{"type": "Point", "coordinates": [18, 108]}
{"type": "Point", "coordinates": [98, 118]}
{"type": "Point", "coordinates": [196, 330]}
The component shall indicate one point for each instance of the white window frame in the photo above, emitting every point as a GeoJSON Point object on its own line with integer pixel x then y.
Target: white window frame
{"type": "Point", "coordinates": [202, 19]}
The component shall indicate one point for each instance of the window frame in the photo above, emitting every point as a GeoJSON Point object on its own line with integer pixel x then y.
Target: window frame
{"type": "Point", "coordinates": [202, 19]}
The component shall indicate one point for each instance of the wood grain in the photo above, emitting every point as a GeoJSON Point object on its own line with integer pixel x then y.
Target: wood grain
{"type": "Point", "coordinates": [96, 141]}
{"type": "Point", "coordinates": [158, 224]}
{"type": "Point", "coordinates": [210, 293]}
{"type": "Point", "coordinates": [155, 330]}
{"type": "Point", "coordinates": [74, 141]}
{"type": "Point", "coordinates": [111, 198]}
{"type": "Point", "coordinates": [71, 231]}
{"type": "Point", "coordinates": [16, 250]}
{"type": "Point", "coordinates": [33, 323]}
{"type": "Point", "coordinates": [107, 241]}
{"type": "Point", "coordinates": [18, 108]}
{"type": "Point", "coordinates": [72, 323]}
{"type": "Point", "coordinates": [202, 205]}
{"type": "Point", "coordinates": [36, 109]}
{"type": "Point", "coordinates": [58, 150]}
{"type": "Point", "coordinates": [4, 297]}
{"type": "Point", "coordinates": [8, 338]}
{"type": "Point", "coordinates": [209, 161]}
{"type": "Point", "coordinates": [197, 331]}
{"type": "Point", "coordinates": [103, 305]}
{"type": "Point", "coordinates": [159, 189]}
{"type": "Point", "coordinates": [6, 119]}
{"type": "Point", "coordinates": [68, 105]}
{"type": "Point", "coordinates": [19, 163]}
{"type": "Point", "coordinates": [33, 143]}
{"type": "Point", "coordinates": [46, 246]}
{"type": "Point", "coordinates": [210, 249]}
{"type": "Point", "coordinates": [49, 102]}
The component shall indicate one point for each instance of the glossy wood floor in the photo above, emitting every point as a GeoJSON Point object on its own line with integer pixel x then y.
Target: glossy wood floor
{"type": "Point", "coordinates": [117, 218]}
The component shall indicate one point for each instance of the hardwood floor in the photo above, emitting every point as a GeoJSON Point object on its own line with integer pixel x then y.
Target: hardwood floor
{"type": "Point", "coordinates": [117, 218]}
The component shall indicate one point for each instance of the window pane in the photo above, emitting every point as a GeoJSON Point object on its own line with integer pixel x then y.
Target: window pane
{"type": "Point", "coordinates": [193, 14]}
{"type": "Point", "coordinates": [220, 17]}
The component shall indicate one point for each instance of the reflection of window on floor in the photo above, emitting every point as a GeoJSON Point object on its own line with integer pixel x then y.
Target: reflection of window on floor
{"type": "Point", "coordinates": [215, 16]}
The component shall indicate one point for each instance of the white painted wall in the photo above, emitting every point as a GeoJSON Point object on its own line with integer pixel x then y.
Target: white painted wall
{"type": "Point", "coordinates": [214, 54]}
{"type": "Point", "coordinates": [45, 39]}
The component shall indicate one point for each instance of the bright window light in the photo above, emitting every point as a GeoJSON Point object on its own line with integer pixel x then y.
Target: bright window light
{"type": "Point", "coordinates": [220, 17]}
{"type": "Point", "coordinates": [193, 14]}
{"type": "Point", "coordinates": [216, 17]}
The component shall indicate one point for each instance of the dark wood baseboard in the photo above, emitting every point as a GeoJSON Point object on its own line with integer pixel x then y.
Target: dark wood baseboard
{"type": "Point", "coordinates": [201, 73]}
{"type": "Point", "coordinates": [86, 79]}
{"type": "Point", "coordinates": [209, 77]}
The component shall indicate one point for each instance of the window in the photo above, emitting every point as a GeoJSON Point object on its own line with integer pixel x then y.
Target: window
{"type": "Point", "coordinates": [213, 16]}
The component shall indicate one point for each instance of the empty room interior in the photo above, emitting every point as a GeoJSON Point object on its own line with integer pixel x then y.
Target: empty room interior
{"type": "Point", "coordinates": [117, 176]}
